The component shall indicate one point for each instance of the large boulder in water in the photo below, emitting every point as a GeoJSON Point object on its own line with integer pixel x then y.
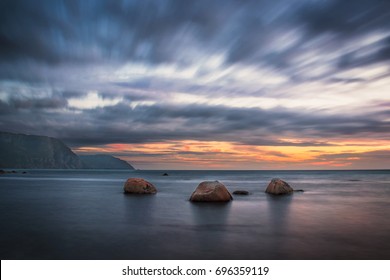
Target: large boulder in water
{"type": "Point", "coordinates": [278, 186]}
{"type": "Point", "coordinates": [139, 186]}
{"type": "Point", "coordinates": [211, 191]}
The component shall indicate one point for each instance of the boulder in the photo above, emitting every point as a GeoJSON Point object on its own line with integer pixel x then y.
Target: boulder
{"type": "Point", "coordinates": [139, 186]}
{"type": "Point", "coordinates": [241, 192]}
{"type": "Point", "coordinates": [278, 186]}
{"type": "Point", "coordinates": [211, 191]}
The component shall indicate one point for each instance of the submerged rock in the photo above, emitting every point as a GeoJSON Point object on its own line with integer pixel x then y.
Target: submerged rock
{"type": "Point", "coordinates": [211, 191]}
{"type": "Point", "coordinates": [139, 186]}
{"type": "Point", "coordinates": [241, 192]}
{"type": "Point", "coordinates": [278, 186]}
{"type": "Point", "coordinates": [7, 172]}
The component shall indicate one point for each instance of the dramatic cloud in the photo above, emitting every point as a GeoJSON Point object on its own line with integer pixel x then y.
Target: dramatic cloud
{"type": "Point", "coordinates": [276, 78]}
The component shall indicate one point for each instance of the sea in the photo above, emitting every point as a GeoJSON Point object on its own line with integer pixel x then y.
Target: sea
{"type": "Point", "coordinates": [84, 214]}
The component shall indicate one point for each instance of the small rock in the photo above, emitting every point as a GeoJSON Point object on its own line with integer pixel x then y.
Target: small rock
{"type": "Point", "coordinates": [278, 187]}
{"type": "Point", "coordinates": [8, 172]}
{"type": "Point", "coordinates": [241, 192]}
{"type": "Point", "coordinates": [139, 186]}
{"type": "Point", "coordinates": [211, 191]}
{"type": "Point", "coordinates": [165, 174]}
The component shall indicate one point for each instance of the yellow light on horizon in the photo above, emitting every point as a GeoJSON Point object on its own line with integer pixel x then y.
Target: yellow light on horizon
{"type": "Point", "coordinates": [230, 155]}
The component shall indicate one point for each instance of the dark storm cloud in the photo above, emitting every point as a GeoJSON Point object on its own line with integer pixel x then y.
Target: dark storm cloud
{"type": "Point", "coordinates": [152, 31]}
{"type": "Point", "coordinates": [142, 124]}
{"type": "Point", "coordinates": [242, 125]}
{"type": "Point", "coordinates": [37, 37]}
{"type": "Point", "coordinates": [41, 103]}
{"type": "Point", "coordinates": [345, 18]}
{"type": "Point", "coordinates": [69, 94]}
{"type": "Point", "coordinates": [5, 109]}
{"type": "Point", "coordinates": [340, 20]}
{"type": "Point", "coordinates": [355, 59]}
{"type": "Point", "coordinates": [31, 30]}
{"type": "Point", "coordinates": [154, 25]}
{"type": "Point", "coordinates": [61, 31]}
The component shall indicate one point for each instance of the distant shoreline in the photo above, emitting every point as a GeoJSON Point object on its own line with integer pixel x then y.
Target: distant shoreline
{"type": "Point", "coordinates": [9, 170]}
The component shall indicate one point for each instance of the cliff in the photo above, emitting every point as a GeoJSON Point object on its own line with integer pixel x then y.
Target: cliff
{"type": "Point", "coordinates": [31, 151]}
{"type": "Point", "coordinates": [42, 152]}
{"type": "Point", "coordinates": [104, 162]}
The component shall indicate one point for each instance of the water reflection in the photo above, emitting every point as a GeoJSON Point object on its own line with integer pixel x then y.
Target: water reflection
{"type": "Point", "coordinates": [210, 214]}
{"type": "Point", "coordinates": [139, 209]}
{"type": "Point", "coordinates": [279, 221]}
{"type": "Point", "coordinates": [209, 226]}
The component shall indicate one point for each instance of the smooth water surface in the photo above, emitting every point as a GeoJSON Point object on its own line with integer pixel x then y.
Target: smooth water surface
{"type": "Point", "coordinates": [71, 214]}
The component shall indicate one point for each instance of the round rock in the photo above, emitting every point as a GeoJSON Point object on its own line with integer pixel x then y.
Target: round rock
{"type": "Point", "coordinates": [211, 191]}
{"type": "Point", "coordinates": [139, 186]}
{"type": "Point", "coordinates": [278, 186]}
{"type": "Point", "coordinates": [241, 192]}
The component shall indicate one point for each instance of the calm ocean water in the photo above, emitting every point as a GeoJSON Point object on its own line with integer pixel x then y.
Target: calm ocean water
{"type": "Point", "coordinates": [85, 215]}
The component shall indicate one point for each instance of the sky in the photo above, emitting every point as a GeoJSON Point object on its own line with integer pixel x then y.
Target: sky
{"type": "Point", "coordinates": [213, 84]}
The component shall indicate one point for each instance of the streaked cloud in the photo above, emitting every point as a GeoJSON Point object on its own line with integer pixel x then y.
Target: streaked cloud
{"type": "Point", "coordinates": [271, 81]}
{"type": "Point", "coordinates": [92, 101]}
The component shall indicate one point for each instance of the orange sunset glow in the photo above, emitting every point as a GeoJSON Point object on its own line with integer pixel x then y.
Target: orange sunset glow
{"type": "Point", "coordinates": [227, 155]}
